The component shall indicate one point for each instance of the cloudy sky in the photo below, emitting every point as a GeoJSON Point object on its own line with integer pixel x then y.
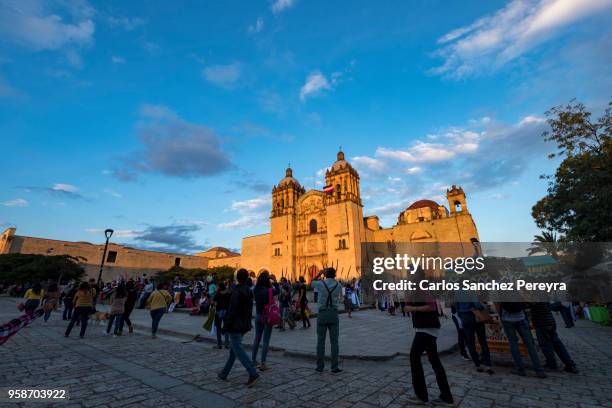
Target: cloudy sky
{"type": "Point", "coordinates": [171, 121]}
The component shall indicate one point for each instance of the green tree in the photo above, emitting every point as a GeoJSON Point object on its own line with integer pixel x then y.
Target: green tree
{"type": "Point", "coordinates": [546, 243]}
{"type": "Point", "coordinates": [22, 268]}
{"type": "Point", "coordinates": [577, 204]}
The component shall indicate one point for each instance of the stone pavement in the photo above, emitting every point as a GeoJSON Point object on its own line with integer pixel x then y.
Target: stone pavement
{"type": "Point", "coordinates": [134, 371]}
{"type": "Point", "coordinates": [369, 334]}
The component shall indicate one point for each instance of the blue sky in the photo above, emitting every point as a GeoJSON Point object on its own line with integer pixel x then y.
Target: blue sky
{"type": "Point", "coordinates": [171, 121]}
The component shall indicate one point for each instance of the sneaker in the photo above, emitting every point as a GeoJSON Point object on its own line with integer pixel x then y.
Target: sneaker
{"type": "Point", "coordinates": [571, 369]}
{"type": "Point", "coordinates": [252, 381]}
{"type": "Point", "coordinates": [153, 337]}
{"type": "Point", "coordinates": [218, 347]}
{"type": "Point", "coordinates": [221, 377]}
{"type": "Point", "coordinates": [480, 369]}
{"type": "Point", "coordinates": [336, 370]}
{"type": "Point", "coordinates": [119, 333]}
{"type": "Point", "coordinates": [131, 330]}
{"type": "Point", "coordinates": [521, 373]}
{"type": "Point", "coordinates": [263, 367]}
{"type": "Point", "coordinates": [490, 371]}
{"type": "Point", "coordinates": [416, 401]}
{"type": "Point", "coordinates": [439, 402]}
{"type": "Point", "coordinates": [114, 335]}
{"type": "Point", "coordinates": [81, 337]}
{"type": "Point", "coordinates": [466, 357]}
{"type": "Point", "coordinates": [319, 370]}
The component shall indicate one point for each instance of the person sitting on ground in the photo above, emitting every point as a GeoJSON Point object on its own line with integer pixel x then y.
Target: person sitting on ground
{"type": "Point", "coordinates": [330, 292]}
{"type": "Point", "coordinates": [237, 324]}
{"type": "Point", "coordinates": [33, 298]}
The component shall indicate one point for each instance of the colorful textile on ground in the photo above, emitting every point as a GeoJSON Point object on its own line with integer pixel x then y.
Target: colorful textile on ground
{"type": "Point", "coordinates": [9, 329]}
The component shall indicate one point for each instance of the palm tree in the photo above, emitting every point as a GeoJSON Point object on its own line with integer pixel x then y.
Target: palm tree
{"type": "Point", "coordinates": [546, 243]}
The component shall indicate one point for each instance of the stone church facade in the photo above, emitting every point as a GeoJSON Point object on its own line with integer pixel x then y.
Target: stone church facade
{"type": "Point", "coordinates": [313, 229]}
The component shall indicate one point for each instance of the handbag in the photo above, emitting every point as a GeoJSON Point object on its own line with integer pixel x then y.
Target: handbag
{"type": "Point", "coordinates": [210, 321]}
{"type": "Point", "coordinates": [271, 311]}
{"type": "Point", "coordinates": [481, 315]}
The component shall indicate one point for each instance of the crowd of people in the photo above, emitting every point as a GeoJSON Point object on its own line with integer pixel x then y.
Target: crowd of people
{"type": "Point", "coordinates": [280, 303]}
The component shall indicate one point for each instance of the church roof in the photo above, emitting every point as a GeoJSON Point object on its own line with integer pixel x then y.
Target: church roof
{"type": "Point", "coordinates": [424, 203]}
{"type": "Point", "coordinates": [288, 179]}
{"type": "Point", "coordinates": [340, 163]}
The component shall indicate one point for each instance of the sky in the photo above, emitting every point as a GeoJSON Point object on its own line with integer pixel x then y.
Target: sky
{"type": "Point", "coordinates": [171, 121]}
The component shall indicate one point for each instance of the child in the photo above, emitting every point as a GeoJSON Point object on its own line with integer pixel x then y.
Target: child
{"type": "Point", "coordinates": [117, 310]}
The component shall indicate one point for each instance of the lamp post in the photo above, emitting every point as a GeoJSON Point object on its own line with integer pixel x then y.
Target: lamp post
{"type": "Point", "coordinates": [108, 233]}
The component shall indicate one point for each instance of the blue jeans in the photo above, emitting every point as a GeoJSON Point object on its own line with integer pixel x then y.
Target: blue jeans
{"type": "Point", "coordinates": [261, 329]}
{"type": "Point", "coordinates": [550, 343]}
{"type": "Point", "coordinates": [117, 319]}
{"type": "Point", "coordinates": [522, 328]}
{"type": "Point", "coordinates": [237, 350]}
{"type": "Point", "coordinates": [472, 330]}
{"type": "Point", "coordinates": [156, 315]}
{"type": "Point", "coordinates": [81, 314]}
{"type": "Point", "coordinates": [219, 321]}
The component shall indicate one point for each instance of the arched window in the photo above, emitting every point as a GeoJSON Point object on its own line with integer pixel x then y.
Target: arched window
{"type": "Point", "coordinates": [458, 206]}
{"type": "Point", "coordinates": [313, 226]}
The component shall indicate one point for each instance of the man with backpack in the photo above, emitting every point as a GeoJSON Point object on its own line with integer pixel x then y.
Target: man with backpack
{"type": "Point", "coordinates": [515, 322]}
{"type": "Point", "coordinates": [327, 320]}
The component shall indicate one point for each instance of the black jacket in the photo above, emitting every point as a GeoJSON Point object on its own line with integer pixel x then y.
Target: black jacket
{"type": "Point", "coordinates": [240, 312]}
{"type": "Point", "coordinates": [425, 320]}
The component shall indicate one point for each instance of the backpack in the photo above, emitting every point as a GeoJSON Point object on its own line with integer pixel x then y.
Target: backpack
{"type": "Point", "coordinates": [271, 311]}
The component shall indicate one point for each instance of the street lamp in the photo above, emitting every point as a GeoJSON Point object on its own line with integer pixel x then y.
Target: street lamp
{"type": "Point", "coordinates": [108, 233]}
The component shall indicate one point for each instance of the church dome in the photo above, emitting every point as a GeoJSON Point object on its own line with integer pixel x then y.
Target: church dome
{"type": "Point", "coordinates": [424, 203]}
{"type": "Point", "coordinates": [340, 163]}
{"type": "Point", "coordinates": [288, 180]}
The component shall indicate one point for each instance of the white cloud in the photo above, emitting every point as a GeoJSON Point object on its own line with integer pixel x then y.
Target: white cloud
{"type": "Point", "coordinates": [223, 75]}
{"type": "Point", "coordinates": [30, 23]}
{"type": "Point", "coordinates": [315, 83]}
{"type": "Point", "coordinates": [257, 26]}
{"type": "Point", "coordinates": [281, 5]}
{"type": "Point", "coordinates": [528, 120]}
{"type": "Point", "coordinates": [251, 213]}
{"type": "Point", "coordinates": [127, 23]}
{"type": "Point", "coordinates": [117, 59]}
{"type": "Point", "coordinates": [17, 202]}
{"type": "Point", "coordinates": [112, 193]}
{"type": "Point", "coordinates": [519, 27]}
{"type": "Point", "coordinates": [67, 188]}
{"type": "Point", "coordinates": [116, 233]}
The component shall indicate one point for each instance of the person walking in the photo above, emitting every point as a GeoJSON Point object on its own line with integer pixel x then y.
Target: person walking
{"type": "Point", "coordinates": [221, 301]}
{"type": "Point", "coordinates": [473, 329]}
{"type": "Point", "coordinates": [548, 339]}
{"type": "Point", "coordinates": [116, 311]}
{"type": "Point", "coordinates": [264, 294]}
{"type": "Point", "coordinates": [284, 301]}
{"type": "Point", "coordinates": [33, 298]}
{"type": "Point", "coordinates": [303, 301]}
{"type": "Point", "coordinates": [157, 303]}
{"type": "Point", "coordinates": [515, 321]}
{"type": "Point", "coordinates": [83, 305]}
{"type": "Point", "coordinates": [51, 299]}
{"type": "Point", "coordinates": [237, 324]}
{"type": "Point", "coordinates": [348, 299]}
{"type": "Point", "coordinates": [330, 292]}
{"type": "Point", "coordinates": [426, 322]}
{"type": "Point", "coordinates": [128, 307]}
{"type": "Point", "coordinates": [68, 293]}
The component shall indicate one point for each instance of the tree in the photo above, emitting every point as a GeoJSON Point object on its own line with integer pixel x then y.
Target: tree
{"type": "Point", "coordinates": [577, 204]}
{"type": "Point", "coordinates": [185, 274]}
{"type": "Point", "coordinates": [22, 268]}
{"type": "Point", "coordinates": [546, 243]}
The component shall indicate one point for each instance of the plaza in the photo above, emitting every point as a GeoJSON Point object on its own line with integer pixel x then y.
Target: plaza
{"type": "Point", "coordinates": [136, 371]}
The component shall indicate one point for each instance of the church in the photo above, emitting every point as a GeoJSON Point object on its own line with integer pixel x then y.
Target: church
{"type": "Point", "coordinates": [313, 229]}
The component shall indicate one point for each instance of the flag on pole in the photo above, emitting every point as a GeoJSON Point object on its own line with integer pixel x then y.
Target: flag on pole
{"type": "Point", "coordinates": [328, 189]}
